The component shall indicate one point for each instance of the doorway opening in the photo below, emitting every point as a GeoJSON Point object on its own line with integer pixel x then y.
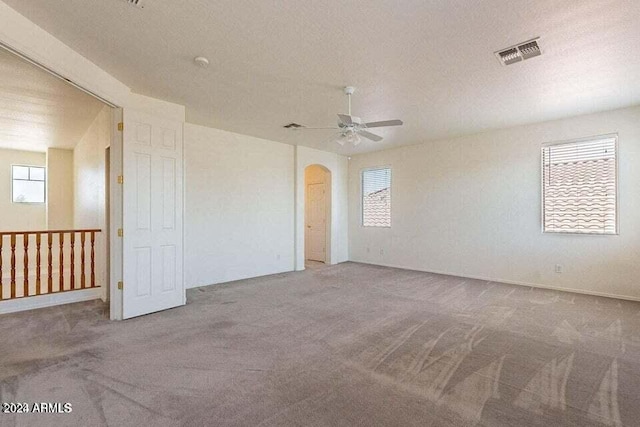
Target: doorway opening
{"type": "Point", "coordinates": [317, 214]}
{"type": "Point", "coordinates": [53, 187]}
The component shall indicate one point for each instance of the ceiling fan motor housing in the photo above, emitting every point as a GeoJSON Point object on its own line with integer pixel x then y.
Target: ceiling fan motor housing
{"type": "Point", "coordinates": [356, 123]}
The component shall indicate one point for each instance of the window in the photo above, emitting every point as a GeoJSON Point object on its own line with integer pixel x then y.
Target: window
{"type": "Point", "coordinates": [579, 189]}
{"type": "Point", "coordinates": [376, 197]}
{"type": "Point", "coordinates": [28, 184]}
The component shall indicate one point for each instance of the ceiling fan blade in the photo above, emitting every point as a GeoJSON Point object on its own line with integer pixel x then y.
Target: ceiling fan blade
{"type": "Point", "coordinates": [334, 128]}
{"type": "Point", "coordinates": [336, 137]}
{"type": "Point", "coordinates": [345, 118]}
{"type": "Point", "coordinates": [384, 123]}
{"type": "Point", "coordinates": [369, 135]}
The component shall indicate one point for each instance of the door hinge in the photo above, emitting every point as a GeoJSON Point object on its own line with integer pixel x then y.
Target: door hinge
{"type": "Point", "coordinates": [120, 126]}
{"type": "Point", "coordinates": [120, 232]}
{"type": "Point", "coordinates": [120, 179]}
{"type": "Point", "coordinates": [120, 285]}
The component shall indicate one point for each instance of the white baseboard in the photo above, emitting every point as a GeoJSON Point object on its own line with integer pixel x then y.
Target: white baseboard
{"type": "Point", "coordinates": [236, 279]}
{"type": "Point", "coordinates": [48, 300]}
{"type": "Point", "coordinates": [509, 282]}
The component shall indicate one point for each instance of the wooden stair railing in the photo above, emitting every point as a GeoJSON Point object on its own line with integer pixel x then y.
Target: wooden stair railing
{"type": "Point", "coordinates": [47, 286]}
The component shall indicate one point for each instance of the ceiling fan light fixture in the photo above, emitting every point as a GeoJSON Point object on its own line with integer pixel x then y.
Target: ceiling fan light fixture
{"type": "Point", "coordinates": [353, 138]}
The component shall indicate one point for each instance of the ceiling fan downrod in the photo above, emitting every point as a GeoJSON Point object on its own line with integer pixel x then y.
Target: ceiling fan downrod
{"type": "Point", "coordinates": [349, 90]}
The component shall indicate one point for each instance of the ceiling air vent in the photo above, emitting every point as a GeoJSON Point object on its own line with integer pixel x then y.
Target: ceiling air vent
{"type": "Point", "coordinates": [520, 52]}
{"type": "Point", "coordinates": [293, 126]}
{"type": "Point", "coordinates": [137, 3]}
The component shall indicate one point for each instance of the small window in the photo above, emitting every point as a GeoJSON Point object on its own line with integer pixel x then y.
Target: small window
{"type": "Point", "coordinates": [376, 197]}
{"type": "Point", "coordinates": [579, 189]}
{"type": "Point", "coordinates": [28, 184]}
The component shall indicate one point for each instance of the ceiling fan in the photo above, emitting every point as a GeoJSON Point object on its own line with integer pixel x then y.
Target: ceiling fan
{"type": "Point", "coordinates": [351, 128]}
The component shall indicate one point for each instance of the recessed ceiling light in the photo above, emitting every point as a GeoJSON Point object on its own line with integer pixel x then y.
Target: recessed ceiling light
{"type": "Point", "coordinates": [201, 61]}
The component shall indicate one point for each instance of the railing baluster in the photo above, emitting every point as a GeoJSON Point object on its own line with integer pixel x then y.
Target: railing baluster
{"type": "Point", "coordinates": [50, 264]}
{"type": "Point", "coordinates": [93, 259]}
{"type": "Point", "coordinates": [1, 289]}
{"type": "Point", "coordinates": [34, 265]}
{"type": "Point", "coordinates": [38, 260]}
{"type": "Point", "coordinates": [13, 266]}
{"type": "Point", "coordinates": [73, 261]}
{"type": "Point", "coordinates": [83, 282]}
{"type": "Point", "coordinates": [25, 290]}
{"type": "Point", "coordinates": [61, 271]}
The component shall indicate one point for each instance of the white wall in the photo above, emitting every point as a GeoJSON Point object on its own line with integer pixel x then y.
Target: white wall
{"type": "Point", "coordinates": [238, 206]}
{"type": "Point", "coordinates": [89, 186]}
{"type": "Point", "coordinates": [470, 206]}
{"type": "Point", "coordinates": [88, 175]}
{"type": "Point", "coordinates": [59, 189]}
{"type": "Point", "coordinates": [338, 166]}
{"type": "Point", "coordinates": [19, 216]}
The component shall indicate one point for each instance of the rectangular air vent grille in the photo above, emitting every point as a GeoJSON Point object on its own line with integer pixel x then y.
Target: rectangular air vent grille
{"type": "Point", "coordinates": [293, 126]}
{"type": "Point", "coordinates": [137, 3]}
{"type": "Point", "coordinates": [520, 52]}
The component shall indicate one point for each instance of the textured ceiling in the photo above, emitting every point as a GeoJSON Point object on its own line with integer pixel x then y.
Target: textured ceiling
{"type": "Point", "coordinates": [427, 62]}
{"type": "Point", "coordinates": [38, 110]}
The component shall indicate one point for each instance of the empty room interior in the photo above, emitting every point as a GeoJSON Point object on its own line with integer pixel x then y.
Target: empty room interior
{"type": "Point", "coordinates": [384, 213]}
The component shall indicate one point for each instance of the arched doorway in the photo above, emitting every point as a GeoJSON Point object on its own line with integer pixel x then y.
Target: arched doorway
{"type": "Point", "coordinates": [317, 218]}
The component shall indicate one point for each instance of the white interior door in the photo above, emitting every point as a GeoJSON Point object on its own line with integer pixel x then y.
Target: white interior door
{"type": "Point", "coordinates": [152, 214]}
{"type": "Point", "coordinates": [316, 234]}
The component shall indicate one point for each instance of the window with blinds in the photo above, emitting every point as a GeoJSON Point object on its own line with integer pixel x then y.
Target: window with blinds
{"type": "Point", "coordinates": [579, 189]}
{"type": "Point", "coordinates": [376, 197]}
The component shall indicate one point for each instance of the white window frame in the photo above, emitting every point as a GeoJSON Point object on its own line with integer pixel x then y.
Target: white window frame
{"type": "Point", "coordinates": [374, 168]}
{"type": "Point", "coordinates": [617, 174]}
{"type": "Point", "coordinates": [44, 182]}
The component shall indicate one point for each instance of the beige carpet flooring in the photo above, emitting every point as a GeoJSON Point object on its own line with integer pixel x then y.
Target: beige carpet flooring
{"type": "Point", "coordinates": [345, 345]}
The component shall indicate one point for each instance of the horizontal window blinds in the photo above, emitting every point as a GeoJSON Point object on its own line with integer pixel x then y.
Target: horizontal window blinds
{"type": "Point", "coordinates": [376, 198]}
{"type": "Point", "coordinates": [579, 186]}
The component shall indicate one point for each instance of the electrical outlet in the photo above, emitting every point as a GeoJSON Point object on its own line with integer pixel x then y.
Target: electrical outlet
{"type": "Point", "coordinates": [368, 250]}
{"type": "Point", "coordinates": [278, 256]}
{"type": "Point", "coordinates": [381, 251]}
{"type": "Point", "coordinates": [559, 268]}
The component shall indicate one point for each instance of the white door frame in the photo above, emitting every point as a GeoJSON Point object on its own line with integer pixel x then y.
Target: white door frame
{"type": "Point", "coordinates": [115, 217]}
